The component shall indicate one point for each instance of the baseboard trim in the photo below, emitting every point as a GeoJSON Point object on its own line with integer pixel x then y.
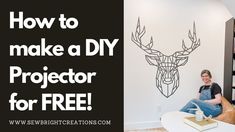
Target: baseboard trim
{"type": "Point", "coordinates": [142, 125]}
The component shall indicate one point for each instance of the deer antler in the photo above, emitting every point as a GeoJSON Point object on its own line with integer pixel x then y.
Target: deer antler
{"type": "Point", "coordinates": [137, 40]}
{"type": "Point", "coordinates": [194, 45]}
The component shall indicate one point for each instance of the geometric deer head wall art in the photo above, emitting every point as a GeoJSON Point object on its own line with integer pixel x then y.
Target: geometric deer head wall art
{"type": "Point", "coordinates": [167, 76]}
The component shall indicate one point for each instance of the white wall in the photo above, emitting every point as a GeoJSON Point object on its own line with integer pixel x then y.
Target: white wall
{"type": "Point", "coordinates": [168, 21]}
{"type": "Point", "coordinates": [230, 4]}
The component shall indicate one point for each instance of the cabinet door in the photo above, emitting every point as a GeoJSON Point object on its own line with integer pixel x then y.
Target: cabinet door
{"type": "Point", "coordinates": [229, 68]}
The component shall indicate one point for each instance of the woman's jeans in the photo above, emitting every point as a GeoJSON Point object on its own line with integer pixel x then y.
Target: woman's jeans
{"type": "Point", "coordinates": [208, 109]}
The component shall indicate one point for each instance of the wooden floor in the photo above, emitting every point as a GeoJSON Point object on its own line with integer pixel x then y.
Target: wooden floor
{"type": "Point", "coordinates": [149, 130]}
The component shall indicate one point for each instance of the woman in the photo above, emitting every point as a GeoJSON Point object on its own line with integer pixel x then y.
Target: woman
{"type": "Point", "coordinates": [208, 99]}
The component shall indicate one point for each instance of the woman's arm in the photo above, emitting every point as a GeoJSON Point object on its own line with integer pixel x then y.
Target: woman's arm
{"type": "Point", "coordinates": [216, 100]}
{"type": "Point", "coordinates": [198, 95]}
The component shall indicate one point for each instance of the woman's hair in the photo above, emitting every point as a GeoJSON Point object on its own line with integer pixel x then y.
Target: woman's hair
{"type": "Point", "coordinates": [207, 72]}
